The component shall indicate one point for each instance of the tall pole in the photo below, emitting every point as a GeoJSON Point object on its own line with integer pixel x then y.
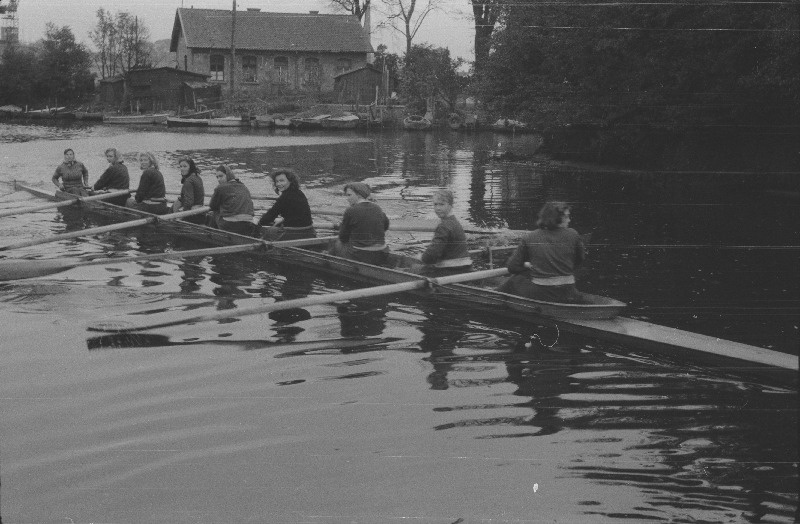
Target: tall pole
{"type": "Point", "coordinates": [233, 49]}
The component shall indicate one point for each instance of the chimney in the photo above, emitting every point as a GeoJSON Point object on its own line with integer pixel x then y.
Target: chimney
{"type": "Point", "coordinates": [368, 31]}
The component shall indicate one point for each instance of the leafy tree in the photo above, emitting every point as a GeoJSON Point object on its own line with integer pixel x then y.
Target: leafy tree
{"type": "Point", "coordinates": [122, 43]}
{"type": "Point", "coordinates": [63, 67]}
{"type": "Point", "coordinates": [104, 38]}
{"type": "Point", "coordinates": [485, 14]}
{"type": "Point", "coordinates": [685, 68]}
{"type": "Point", "coordinates": [431, 73]}
{"type": "Point", "coordinates": [133, 43]}
{"type": "Point", "coordinates": [17, 75]}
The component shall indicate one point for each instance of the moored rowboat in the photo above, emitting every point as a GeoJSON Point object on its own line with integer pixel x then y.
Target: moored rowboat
{"type": "Point", "coordinates": [156, 118]}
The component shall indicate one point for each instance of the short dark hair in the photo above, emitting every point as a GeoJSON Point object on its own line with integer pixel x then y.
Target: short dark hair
{"type": "Point", "coordinates": [290, 175]}
{"type": "Point", "coordinates": [552, 214]}
{"type": "Point", "coordinates": [67, 150]}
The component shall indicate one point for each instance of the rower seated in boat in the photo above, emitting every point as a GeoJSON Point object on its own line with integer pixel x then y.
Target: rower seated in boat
{"type": "Point", "coordinates": [447, 252]}
{"type": "Point", "coordinates": [151, 194]}
{"type": "Point", "coordinates": [114, 178]}
{"type": "Point", "coordinates": [544, 263]}
{"type": "Point", "coordinates": [72, 176]}
{"type": "Point", "coordinates": [192, 191]}
{"type": "Point", "coordinates": [362, 233]}
{"type": "Point", "coordinates": [231, 204]}
{"type": "Point", "coordinates": [289, 218]}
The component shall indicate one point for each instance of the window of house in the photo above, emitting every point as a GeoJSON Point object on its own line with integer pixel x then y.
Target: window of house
{"type": "Point", "coordinates": [343, 64]}
{"type": "Point", "coordinates": [313, 72]}
{"type": "Point", "coordinates": [281, 65]}
{"type": "Point", "coordinates": [249, 69]}
{"type": "Point", "coordinates": [217, 68]}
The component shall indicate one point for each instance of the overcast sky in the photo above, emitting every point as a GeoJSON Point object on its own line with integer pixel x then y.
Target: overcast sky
{"type": "Point", "coordinates": [451, 28]}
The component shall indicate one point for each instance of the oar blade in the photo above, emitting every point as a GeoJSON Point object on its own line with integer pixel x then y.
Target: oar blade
{"type": "Point", "coordinates": [22, 269]}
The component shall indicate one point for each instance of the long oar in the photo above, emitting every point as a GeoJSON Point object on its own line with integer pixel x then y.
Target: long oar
{"type": "Point", "coordinates": [61, 203]}
{"type": "Point", "coordinates": [254, 197]}
{"type": "Point", "coordinates": [22, 269]}
{"type": "Point", "coordinates": [427, 227]}
{"type": "Point", "coordinates": [105, 229]}
{"type": "Point", "coordinates": [117, 327]}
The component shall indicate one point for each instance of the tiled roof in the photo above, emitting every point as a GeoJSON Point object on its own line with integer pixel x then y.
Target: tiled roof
{"type": "Point", "coordinates": [259, 30]}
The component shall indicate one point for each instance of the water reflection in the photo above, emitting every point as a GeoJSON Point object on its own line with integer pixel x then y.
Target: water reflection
{"type": "Point", "coordinates": [363, 317]}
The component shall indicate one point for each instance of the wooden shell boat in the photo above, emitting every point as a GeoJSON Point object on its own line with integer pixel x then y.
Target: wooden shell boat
{"type": "Point", "coordinates": [175, 121]}
{"type": "Point", "coordinates": [308, 122]}
{"type": "Point", "coordinates": [263, 121]}
{"type": "Point", "coordinates": [508, 125]}
{"type": "Point", "coordinates": [348, 121]}
{"type": "Point", "coordinates": [462, 294]}
{"type": "Point", "coordinates": [416, 123]}
{"type": "Point", "coordinates": [156, 118]}
{"type": "Point", "coordinates": [229, 121]}
{"type": "Point", "coordinates": [596, 320]}
{"type": "Point", "coordinates": [282, 121]}
{"type": "Point", "coordinates": [88, 116]}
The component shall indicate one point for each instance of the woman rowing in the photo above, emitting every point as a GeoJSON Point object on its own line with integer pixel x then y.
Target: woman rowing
{"type": "Point", "coordinates": [447, 252]}
{"type": "Point", "coordinates": [545, 261]}
{"type": "Point", "coordinates": [290, 216]}
{"type": "Point", "coordinates": [231, 203]}
{"type": "Point", "coordinates": [71, 176]}
{"type": "Point", "coordinates": [192, 190]}
{"type": "Point", "coordinates": [151, 194]}
{"type": "Point", "coordinates": [114, 178]}
{"type": "Point", "coordinates": [363, 228]}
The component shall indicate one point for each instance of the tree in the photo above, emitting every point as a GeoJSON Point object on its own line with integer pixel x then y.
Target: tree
{"type": "Point", "coordinates": [17, 75]}
{"type": "Point", "coordinates": [133, 42]}
{"type": "Point", "coordinates": [430, 73]}
{"type": "Point", "coordinates": [486, 14]}
{"type": "Point", "coordinates": [354, 7]}
{"type": "Point", "coordinates": [63, 67]}
{"type": "Point", "coordinates": [407, 16]}
{"type": "Point", "coordinates": [122, 42]}
{"type": "Point", "coordinates": [104, 38]}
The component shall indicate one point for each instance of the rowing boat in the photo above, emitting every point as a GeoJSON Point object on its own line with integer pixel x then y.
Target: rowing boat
{"type": "Point", "coordinates": [599, 320]}
{"type": "Point", "coordinates": [399, 270]}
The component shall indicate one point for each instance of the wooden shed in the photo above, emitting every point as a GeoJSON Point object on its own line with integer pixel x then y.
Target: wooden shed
{"type": "Point", "coordinates": [363, 86]}
{"type": "Point", "coordinates": [150, 90]}
{"type": "Point", "coordinates": [158, 89]}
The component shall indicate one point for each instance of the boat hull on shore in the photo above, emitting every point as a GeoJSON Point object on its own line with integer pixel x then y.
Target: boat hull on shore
{"type": "Point", "coordinates": [157, 118]}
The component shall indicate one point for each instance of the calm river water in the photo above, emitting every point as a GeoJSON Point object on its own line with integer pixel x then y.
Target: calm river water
{"type": "Point", "coordinates": [442, 415]}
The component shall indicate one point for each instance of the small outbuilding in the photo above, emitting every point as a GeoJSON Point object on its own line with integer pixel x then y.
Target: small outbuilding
{"type": "Point", "coordinates": [156, 89]}
{"type": "Point", "coordinates": [363, 85]}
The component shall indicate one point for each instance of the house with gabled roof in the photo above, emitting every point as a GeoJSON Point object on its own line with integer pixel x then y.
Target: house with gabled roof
{"type": "Point", "coordinates": [275, 52]}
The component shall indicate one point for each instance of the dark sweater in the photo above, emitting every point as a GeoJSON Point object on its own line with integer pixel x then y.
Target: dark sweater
{"type": "Point", "coordinates": [114, 178]}
{"type": "Point", "coordinates": [293, 206]}
{"type": "Point", "coordinates": [192, 191]}
{"type": "Point", "coordinates": [364, 225]}
{"type": "Point", "coordinates": [231, 198]}
{"type": "Point", "coordinates": [151, 185]}
{"type": "Point", "coordinates": [552, 253]}
{"type": "Point", "coordinates": [449, 242]}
